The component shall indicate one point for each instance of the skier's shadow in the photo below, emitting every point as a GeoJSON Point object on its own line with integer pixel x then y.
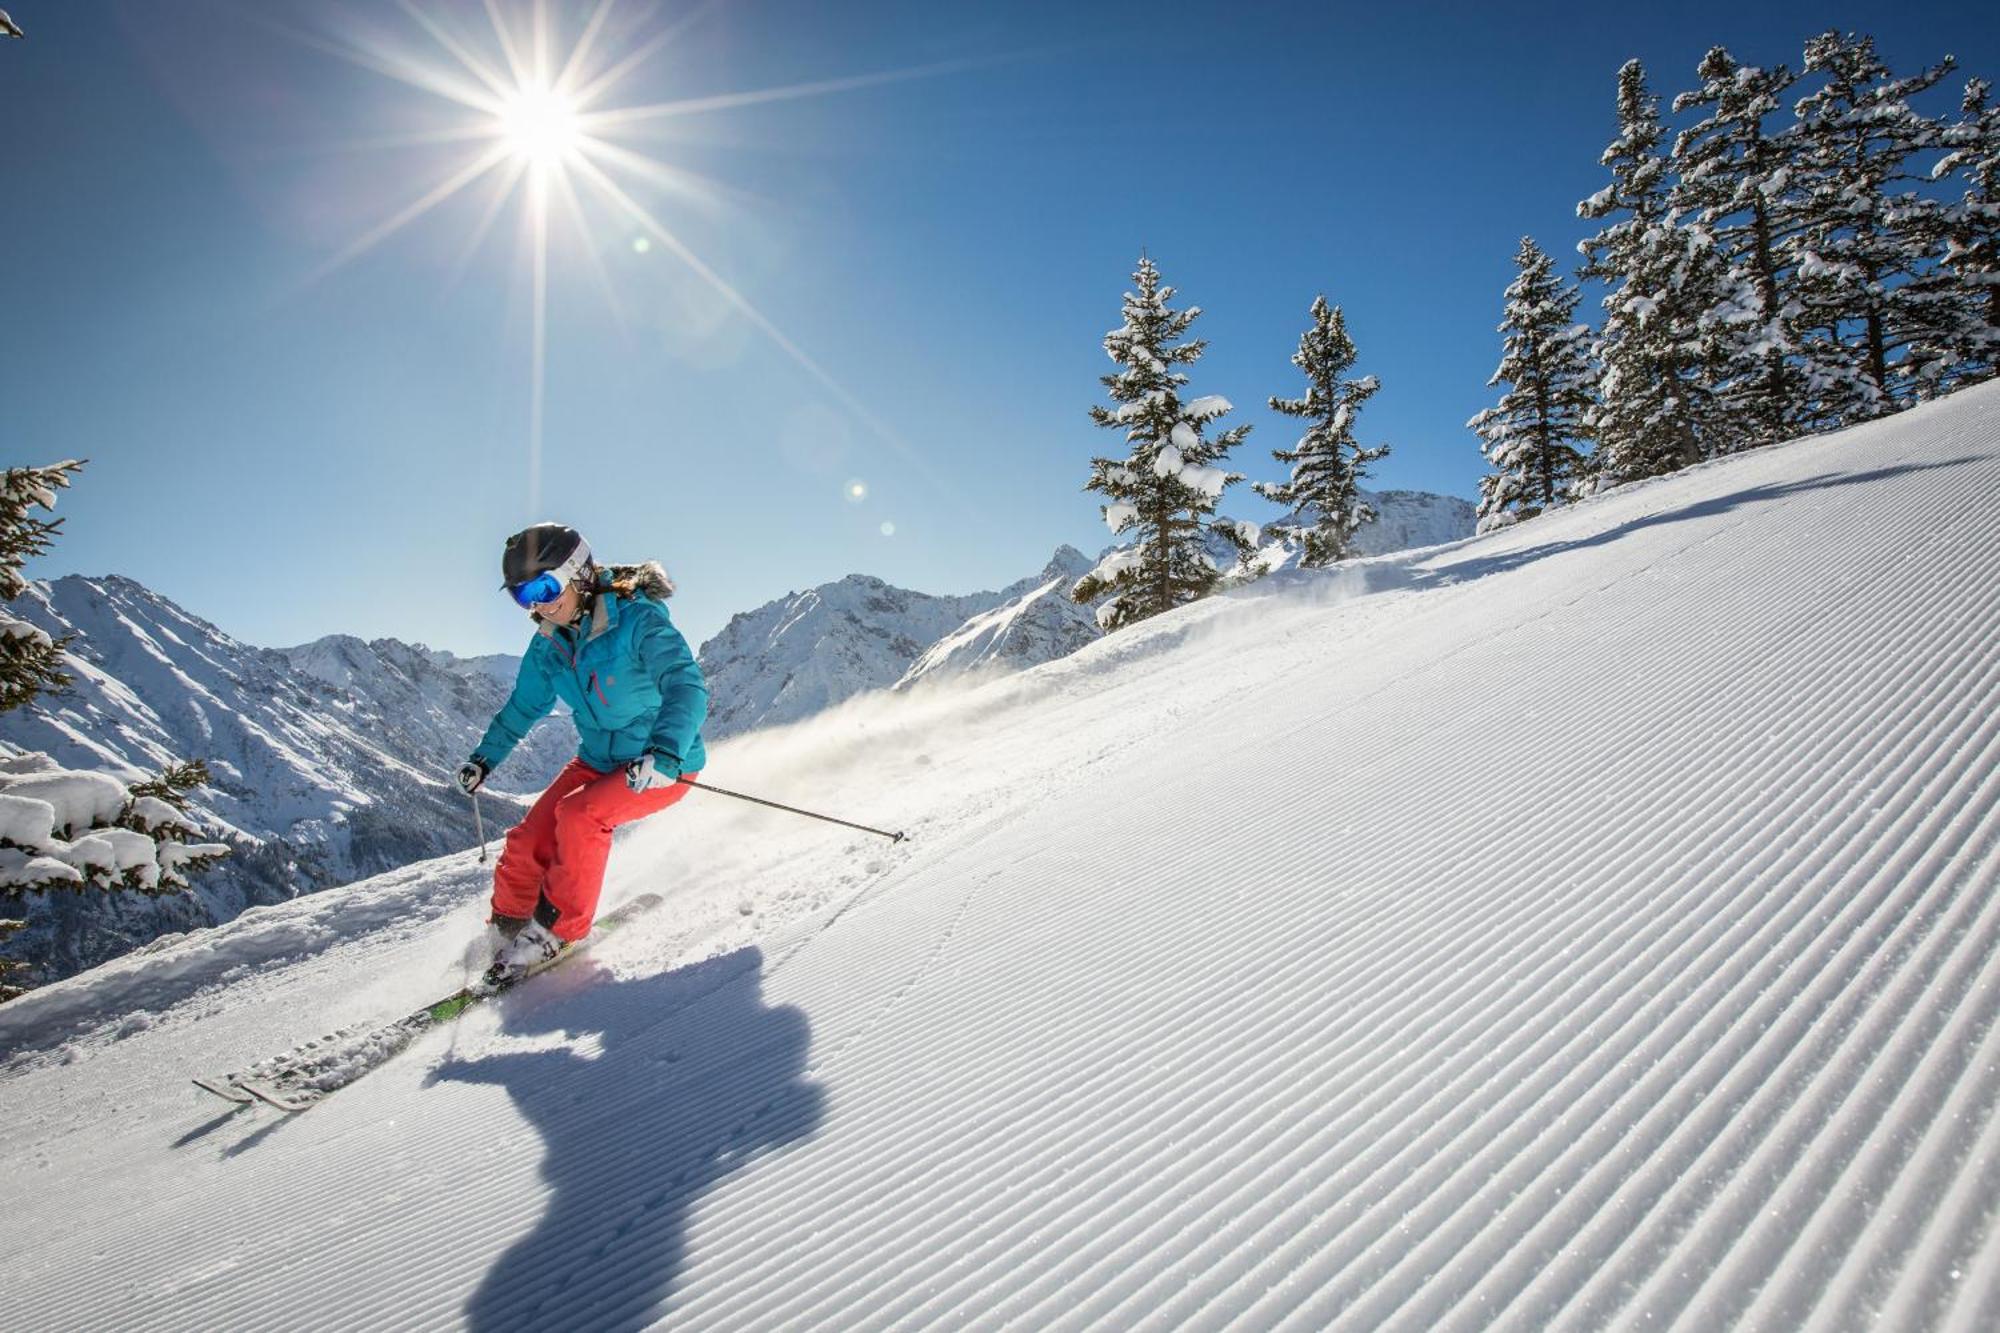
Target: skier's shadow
{"type": "Point", "coordinates": [693, 1075]}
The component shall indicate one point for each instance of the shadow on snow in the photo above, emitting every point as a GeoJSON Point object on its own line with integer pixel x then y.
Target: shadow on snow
{"type": "Point", "coordinates": [1475, 566]}
{"type": "Point", "coordinates": [693, 1075]}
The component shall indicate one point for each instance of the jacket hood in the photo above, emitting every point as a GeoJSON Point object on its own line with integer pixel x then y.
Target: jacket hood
{"type": "Point", "coordinates": [651, 578]}
{"type": "Point", "coordinates": [648, 580]}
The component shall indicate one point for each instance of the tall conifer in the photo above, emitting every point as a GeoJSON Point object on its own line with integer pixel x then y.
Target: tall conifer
{"type": "Point", "coordinates": [1328, 462]}
{"type": "Point", "coordinates": [1965, 233]}
{"type": "Point", "coordinates": [1669, 310]}
{"type": "Point", "coordinates": [1864, 242]}
{"type": "Point", "coordinates": [1737, 178]}
{"type": "Point", "coordinates": [1531, 436]}
{"type": "Point", "coordinates": [1166, 487]}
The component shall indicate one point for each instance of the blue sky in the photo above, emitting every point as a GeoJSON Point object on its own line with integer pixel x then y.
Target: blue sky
{"type": "Point", "coordinates": [292, 448]}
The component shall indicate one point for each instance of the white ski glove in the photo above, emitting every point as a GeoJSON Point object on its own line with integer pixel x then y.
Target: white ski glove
{"type": "Point", "coordinates": [472, 775]}
{"type": "Point", "coordinates": [652, 770]}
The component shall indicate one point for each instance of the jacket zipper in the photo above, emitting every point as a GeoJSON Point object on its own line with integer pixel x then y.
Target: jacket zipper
{"type": "Point", "coordinates": [575, 669]}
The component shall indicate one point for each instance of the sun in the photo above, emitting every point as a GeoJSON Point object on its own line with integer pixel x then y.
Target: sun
{"type": "Point", "coordinates": [544, 126]}
{"type": "Point", "coordinates": [540, 126]}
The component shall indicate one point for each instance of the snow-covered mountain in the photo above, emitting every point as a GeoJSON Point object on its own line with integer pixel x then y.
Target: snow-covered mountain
{"type": "Point", "coordinates": [1594, 924]}
{"type": "Point", "coordinates": [803, 653]}
{"type": "Point", "coordinates": [1404, 521]}
{"type": "Point", "coordinates": [1033, 626]}
{"type": "Point", "coordinates": [328, 760]}
{"type": "Point", "coordinates": [1407, 520]}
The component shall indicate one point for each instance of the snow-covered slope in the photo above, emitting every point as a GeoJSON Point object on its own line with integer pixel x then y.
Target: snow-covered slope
{"type": "Point", "coordinates": [333, 754]}
{"type": "Point", "coordinates": [1596, 924]}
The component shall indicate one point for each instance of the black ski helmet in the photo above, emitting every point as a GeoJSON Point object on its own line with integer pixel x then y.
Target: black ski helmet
{"type": "Point", "coordinates": [540, 549]}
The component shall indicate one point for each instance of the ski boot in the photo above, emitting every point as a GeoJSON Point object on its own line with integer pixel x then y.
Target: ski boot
{"type": "Point", "coordinates": [533, 947]}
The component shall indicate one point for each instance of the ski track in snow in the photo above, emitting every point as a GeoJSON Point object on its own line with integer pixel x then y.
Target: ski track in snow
{"type": "Point", "coordinates": [1592, 925]}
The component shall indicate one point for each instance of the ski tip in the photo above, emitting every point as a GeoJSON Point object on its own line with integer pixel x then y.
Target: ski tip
{"type": "Point", "coordinates": [223, 1088]}
{"type": "Point", "coordinates": [284, 1101]}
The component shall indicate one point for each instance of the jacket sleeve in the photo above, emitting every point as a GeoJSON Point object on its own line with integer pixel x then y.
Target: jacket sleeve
{"type": "Point", "coordinates": [534, 695]}
{"type": "Point", "coordinates": [665, 656]}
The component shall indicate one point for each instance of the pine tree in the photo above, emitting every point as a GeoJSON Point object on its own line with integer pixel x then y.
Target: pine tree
{"type": "Point", "coordinates": [1965, 235]}
{"type": "Point", "coordinates": [1737, 178]}
{"type": "Point", "coordinates": [30, 661]}
{"type": "Point", "coordinates": [1530, 437]}
{"type": "Point", "coordinates": [1670, 312]}
{"type": "Point", "coordinates": [1327, 463]}
{"type": "Point", "coordinates": [1863, 240]}
{"type": "Point", "coordinates": [159, 807]}
{"type": "Point", "coordinates": [1166, 488]}
{"type": "Point", "coordinates": [61, 828]}
{"type": "Point", "coordinates": [173, 784]}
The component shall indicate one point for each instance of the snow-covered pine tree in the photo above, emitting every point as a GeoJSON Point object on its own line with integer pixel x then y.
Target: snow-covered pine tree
{"type": "Point", "coordinates": [30, 661]}
{"type": "Point", "coordinates": [1736, 176]}
{"type": "Point", "coordinates": [1327, 463]}
{"type": "Point", "coordinates": [62, 828]}
{"type": "Point", "coordinates": [1864, 244]}
{"type": "Point", "coordinates": [1669, 311]}
{"type": "Point", "coordinates": [1530, 436]}
{"type": "Point", "coordinates": [1167, 486]}
{"type": "Point", "coordinates": [75, 829]}
{"type": "Point", "coordinates": [1966, 236]}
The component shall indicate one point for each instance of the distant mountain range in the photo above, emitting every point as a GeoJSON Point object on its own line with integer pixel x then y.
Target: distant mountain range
{"type": "Point", "coordinates": [801, 654]}
{"type": "Point", "coordinates": [330, 760]}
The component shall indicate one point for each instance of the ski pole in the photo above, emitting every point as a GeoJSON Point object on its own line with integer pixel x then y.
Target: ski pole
{"type": "Point", "coordinates": [479, 827]}
{"type": "Point", "coordinates": [792, 809]}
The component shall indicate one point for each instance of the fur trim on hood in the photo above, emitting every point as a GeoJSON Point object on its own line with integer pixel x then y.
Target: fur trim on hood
{"type": "Point", "coordinates": [649, 579]}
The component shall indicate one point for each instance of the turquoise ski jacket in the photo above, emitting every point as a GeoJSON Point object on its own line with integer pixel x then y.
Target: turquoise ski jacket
{"type": "Point", "coordinates": [630, 681]}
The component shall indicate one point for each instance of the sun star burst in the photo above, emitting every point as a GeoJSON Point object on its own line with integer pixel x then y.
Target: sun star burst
{"type": "Point", "coordinates": [545, 128]}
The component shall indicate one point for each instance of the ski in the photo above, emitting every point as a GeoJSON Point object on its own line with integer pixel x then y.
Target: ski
{"type": "Point", "coordinates": [306, 1074]}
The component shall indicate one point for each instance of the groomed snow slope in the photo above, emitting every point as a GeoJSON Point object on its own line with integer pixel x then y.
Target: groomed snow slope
{"type": "Point", "coordinates": [1590, 925]}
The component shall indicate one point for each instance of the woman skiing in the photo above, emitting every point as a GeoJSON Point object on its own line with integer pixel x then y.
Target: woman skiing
{"type": "Point", "coordinates": [603, 645]}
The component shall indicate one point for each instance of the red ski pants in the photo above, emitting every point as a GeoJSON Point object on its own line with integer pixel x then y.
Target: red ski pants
{"type": "Point", "coordinates": [559, 850]}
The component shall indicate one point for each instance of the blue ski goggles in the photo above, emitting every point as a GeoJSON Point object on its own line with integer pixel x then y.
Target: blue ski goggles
{"type": "Point", "coordinates": [548, 585]}
{"type": "Point", "coordinates": [537, 591]}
